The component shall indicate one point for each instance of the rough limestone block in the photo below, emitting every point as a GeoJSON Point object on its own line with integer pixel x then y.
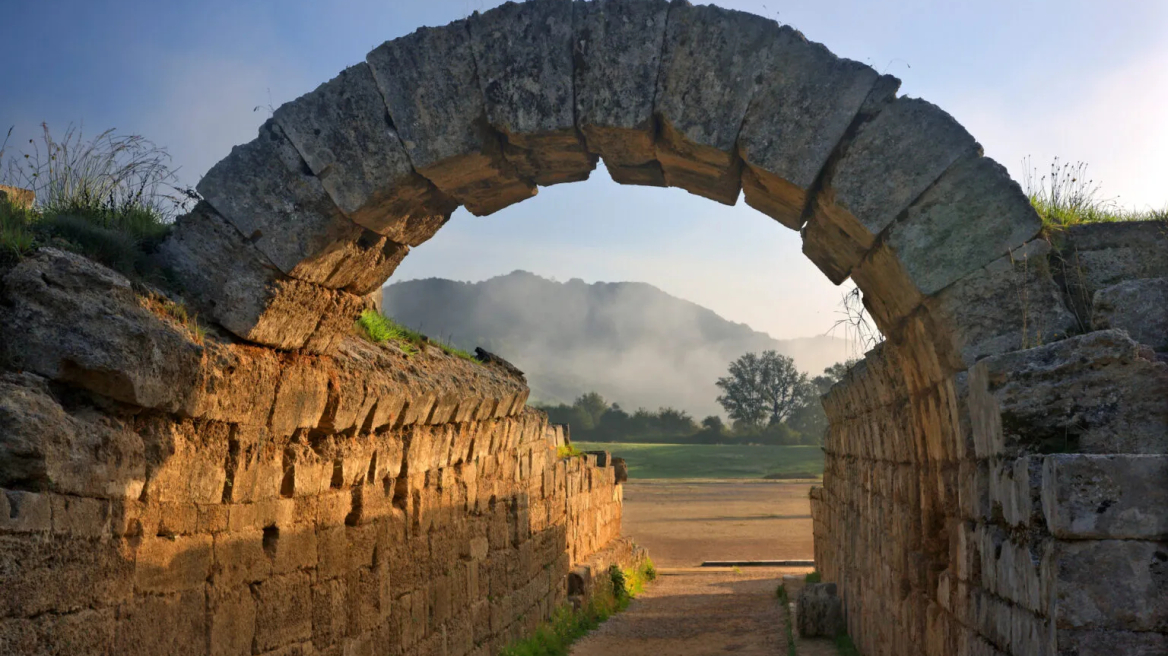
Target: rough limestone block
{"type": "Point", "coordinates": [265, 190]}
{"type": "Point", "coordinates": [1109, 584]}
{"type": "Point", "coordinates": [62, 574]}
{"type": "Point", "coordinates": [1106, 497]}
{"type": "Point", "coordinates": [617, 50]}
{"type": "Point", "coordinates": [343, 132]}
{"type": "Point", "coordinates": [820, 612]}
{"type": "Point", "coordinates": [300, 398]}
{"type": "Point", "coordinates": [1139, 307]}
{"type": "Point", "coordinates": [1094, 393]}
{"type": "Point", "coordinates": [25, 512]}
{"type": "Point", "coordinates": [1011, 303]}
{"type": "Point", "coordinates": [22, 198]}
{"type": "Point", "coordinates": [805, 103]}
{"type": "Point", "coordinates": [892, 160]}
{"type": "Point", "coordinates": [283, 611]}
{"type": "Point", "coordinates": [523, 57]}
{"type": "Point", "coordinates": [1094, 256]}
{"type": "Point", "coordinates": [171, 564]}
{"type": "Point", "coordinates": [192, 470]}
{"type": "Point", "coordinates": [232, 615]}
{"type": "Point", "coordinates": [712, 63]}
{"type": "Point", "coordinates": [974, 214]}
{"type": "Point", "coordinates": [42, 447]}
{"type": "Point", "coordinates": [139, 624]}
{"type": "Point", "coordinates": [429, 84]}
{"type": "Point", "coordinates": [234, 283]}
{"type": "Point", "coordinates": [70, 319]}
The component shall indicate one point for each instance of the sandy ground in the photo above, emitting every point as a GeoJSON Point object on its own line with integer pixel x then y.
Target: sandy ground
{"type": "Point", "coordinates": [696, 613]}
{"type": "Point", "coordinates": [683, 523]}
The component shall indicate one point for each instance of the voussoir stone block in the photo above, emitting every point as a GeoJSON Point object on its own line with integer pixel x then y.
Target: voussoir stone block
{"type": "Point", "coordinates": [807, 100]}
{"type": "Point", "coordinates": [266, 191]}
{"type": "Point", "coordinates": [1095, 393]}
{"type": "Point", "coordinates": [430, 86]}
{"type": "Point", "coordinates": [891, 161]}
{"type": "Point", "coordinates": [1106, 497]}
{"type": "Point", "coordinates": [1009, 304]}
{"type": "Point", "coordinates": [712, 63]}
{"type": "Point", "coordinates": [523, 57]}
{"type": "Point", "coordinates": [617, 51]}
{"type": "Point", "coordinates": [973, 215]}
{"type": "Point", "coordinates": [234, 283]}
{"type": "Point", "coordinates": [343, 132]}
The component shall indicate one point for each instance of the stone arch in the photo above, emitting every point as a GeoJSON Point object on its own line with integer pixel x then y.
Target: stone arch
{"type": "Point", "coordinates": [319, 209]}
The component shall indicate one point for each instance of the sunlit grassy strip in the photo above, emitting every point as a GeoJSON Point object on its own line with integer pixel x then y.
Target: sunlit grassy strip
{"type": "Point", "coordinates": [380, 329]}
{"type": "Point", "coordinates": [1057, 216]}
{"type": "Point", "coordinates": [555, 637]}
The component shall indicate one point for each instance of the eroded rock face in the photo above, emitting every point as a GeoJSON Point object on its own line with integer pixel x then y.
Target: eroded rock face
{"type": "Point", "coordinates": [70, 319]}
{"type": "Point", "coordinates": [1096, 393]}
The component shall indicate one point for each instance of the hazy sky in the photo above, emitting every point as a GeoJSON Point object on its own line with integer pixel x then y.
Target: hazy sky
{"type": "Point", "coordinates": [1084, 80]}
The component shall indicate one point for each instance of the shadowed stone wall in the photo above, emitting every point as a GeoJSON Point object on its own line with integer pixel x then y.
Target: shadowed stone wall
{"type": "Point", "coordinates": [1024, 510]}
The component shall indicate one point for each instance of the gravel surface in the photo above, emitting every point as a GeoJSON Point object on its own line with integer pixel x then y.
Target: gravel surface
{"type": "Point", "coordinates": [692, 612]}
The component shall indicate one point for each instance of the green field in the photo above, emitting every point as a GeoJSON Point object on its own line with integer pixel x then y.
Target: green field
{"type": "Point", "coordinates": [712, 461]}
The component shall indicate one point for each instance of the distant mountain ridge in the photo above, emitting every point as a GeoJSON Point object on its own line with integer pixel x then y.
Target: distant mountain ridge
{"type": "Point", "coordinates": [630, 341]}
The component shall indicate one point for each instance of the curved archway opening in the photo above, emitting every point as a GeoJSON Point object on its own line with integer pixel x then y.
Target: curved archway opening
{"type": "Point", "coordinates": [299, 225]}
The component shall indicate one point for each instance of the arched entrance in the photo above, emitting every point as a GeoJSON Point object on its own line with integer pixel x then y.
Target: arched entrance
{"type": "Point", "coordinates": [299, 224]}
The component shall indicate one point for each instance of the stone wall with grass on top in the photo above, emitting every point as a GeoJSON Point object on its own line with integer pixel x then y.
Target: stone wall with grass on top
{"type": "Point", "coordinates": [168, 491]}
{"type": "Point", "coordinates": [1024, 509]}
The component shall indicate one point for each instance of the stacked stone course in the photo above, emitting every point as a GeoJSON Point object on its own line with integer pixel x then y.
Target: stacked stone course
{"type": "Point", "coordinates": [253, 502]}
{"type": "Point", "coordinates": [1019, 508]}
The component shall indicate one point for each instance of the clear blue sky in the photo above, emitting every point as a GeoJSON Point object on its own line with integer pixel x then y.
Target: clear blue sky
{"type": "Point", "coordinates": [1077, 79]}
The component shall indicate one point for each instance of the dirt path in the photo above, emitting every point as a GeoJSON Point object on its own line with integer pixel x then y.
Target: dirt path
{"type": "Point", "coordinates": [683, 523]}
{"type": "Point", "coordinates": [690, 612]}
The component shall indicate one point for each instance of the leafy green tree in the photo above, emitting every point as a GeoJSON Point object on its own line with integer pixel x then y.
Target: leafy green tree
{"type": "Point", "coordinates": [590, 408]}
{"type": "Point", "coordinates": [761, 389]}
{"type": "Point", "coordinates": [675, 422]}
{"type": "Point", "coordinates": [809, 419]}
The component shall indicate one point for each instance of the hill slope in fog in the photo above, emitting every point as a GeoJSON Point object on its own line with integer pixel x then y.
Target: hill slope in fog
{"type": "Point", "coordinates": [630, 341]}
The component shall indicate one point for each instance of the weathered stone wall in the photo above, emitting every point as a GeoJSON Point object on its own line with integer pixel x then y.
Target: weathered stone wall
{"type": "Point", "coordinates": [1023, 509]}
{"type": "Point", "coordinates": [162, 494]}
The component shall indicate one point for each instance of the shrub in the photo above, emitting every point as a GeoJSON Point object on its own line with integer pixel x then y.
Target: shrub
{"type": "Point", "coordinates": [813, 577]}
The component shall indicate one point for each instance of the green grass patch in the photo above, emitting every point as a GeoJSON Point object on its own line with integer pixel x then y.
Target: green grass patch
{"type": "Point", "coordinates": [712, 460]}
{"type": "Point", "coordinates": [813, 577]}
{"type": "Point", "coordinates": [555, 637]}
{"type": "Point", "coordinates": [782, 596]}
{"type": "Point", "coordinates": [568, 451]}
{"type": "Point", "coordinates": [380, 329]}
{"type": "Point", "coordinates": [1066, 196]}
{"type": "Point", "coordinates": [110, 198]}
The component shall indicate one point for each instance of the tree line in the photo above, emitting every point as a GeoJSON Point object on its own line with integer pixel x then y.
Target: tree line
{"type": "Point", "coordinates": [767, 399]}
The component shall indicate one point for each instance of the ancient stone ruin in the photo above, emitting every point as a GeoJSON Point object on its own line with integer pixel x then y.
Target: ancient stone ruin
{"type": "Point", "coordinates": [996, 475]}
